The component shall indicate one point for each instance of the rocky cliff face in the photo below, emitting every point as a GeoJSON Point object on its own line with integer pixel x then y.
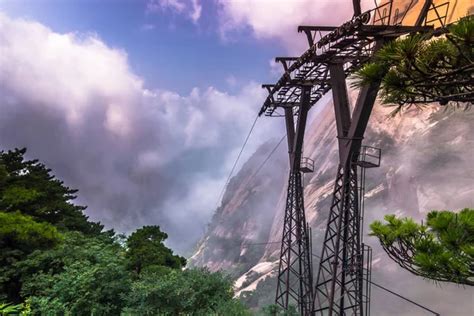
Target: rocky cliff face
{"type": "Point", "coordinates": [244, 218]}
{"type": "Point", "coordinates": [427, 163]}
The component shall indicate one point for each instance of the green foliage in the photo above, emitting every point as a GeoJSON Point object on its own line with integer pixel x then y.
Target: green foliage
{"type": "Point", "coordinates": [28, 187]}
{"type": "Point", "coordinates": [23, 233]}
{"type": "Point", "coordinates": [194, 291]}
{"type": "Point", "coordinates": [83, 276]}
{"type": "Point", "coordinates": [145, 248]}
{"type": "Point", "coordinates": [11, 309]}
{"type": "Point", "coordinates": [34, 205]}
{"type": "Point", "coordinates": [56, 262]}
{"type": "Point", "coordinates": [275, 310]}
{"type": "Point", "coordinates": [19, 236]}
{"type": "Point", "coordinates": [419, 69]}
{"type": "Point", "coordinates": [441, 250]}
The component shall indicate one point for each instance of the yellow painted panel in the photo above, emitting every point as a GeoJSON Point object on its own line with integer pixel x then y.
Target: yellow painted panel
{"type": "Point", "coordinates": [451, 9]}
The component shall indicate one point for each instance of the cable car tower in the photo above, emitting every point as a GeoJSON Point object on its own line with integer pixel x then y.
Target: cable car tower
{"type": "Point", "coordinates": [295, 281]}
{"type": "Point", "coordinates": [333, 54]}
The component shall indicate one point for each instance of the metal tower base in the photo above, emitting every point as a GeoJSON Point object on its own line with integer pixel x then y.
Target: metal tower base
{"type": "Point", "coordinates": [294, 274]}
{"type": "Point", "coordinates": [340, 276]}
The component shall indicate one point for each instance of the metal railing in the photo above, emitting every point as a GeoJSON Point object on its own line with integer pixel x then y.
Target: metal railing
{"type": "Point", "coordinates": [307, 165]}
{"type": "Point", "coordinates": [369, 157]}
{"type": "Point", "coordinates": [437, 13]}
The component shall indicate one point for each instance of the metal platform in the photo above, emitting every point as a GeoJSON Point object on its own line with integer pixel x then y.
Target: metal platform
{"type": "Point", "coordinates": [307, 165]}
{"type": "Point", "coordinates": [369, 157]}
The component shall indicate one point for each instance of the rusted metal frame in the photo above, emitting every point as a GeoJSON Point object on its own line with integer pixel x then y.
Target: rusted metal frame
{"type": "Point", "coordinates": [424, 11]}
{"type": "Point", "coordinates": [386, 6]}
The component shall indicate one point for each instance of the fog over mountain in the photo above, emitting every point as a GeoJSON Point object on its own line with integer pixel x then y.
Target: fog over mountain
{"type": "Point", "coordinates": [137, 156]}
{"type": "Point", "coordinates": [426, 165]}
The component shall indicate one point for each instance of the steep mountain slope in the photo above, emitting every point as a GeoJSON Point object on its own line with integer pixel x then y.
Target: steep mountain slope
{"type": "Point", "coordinates": [426, 164]}
{"type": "Point", "coordinates": [244, 217]}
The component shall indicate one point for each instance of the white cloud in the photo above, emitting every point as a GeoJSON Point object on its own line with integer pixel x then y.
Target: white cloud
{"type": "Point", "coordinates": [156, 5]}
{"type": "Point", "coordinates": [77, 106]}
{"type": "Point", "coordinates": [279, 19]}
{"type": "Point", "coordinates": [190, 8]}
{"type": "Point", "coordinates": [196, 11]}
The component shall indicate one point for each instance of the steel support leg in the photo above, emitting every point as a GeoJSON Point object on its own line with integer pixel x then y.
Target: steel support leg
{"type": "Point", "coordinates": [338, 288]}
{"type": "Point", "coordinates": [294, 285]}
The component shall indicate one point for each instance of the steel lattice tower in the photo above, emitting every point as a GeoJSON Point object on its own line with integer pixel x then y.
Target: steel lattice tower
{"type": "Point", "coordinates": [340, 277]}
{"type": "Point", "coordinates": [294, 275]}
{"type": "Point", "coordinates": [295, 282]}
{"type": "Point", "coordinates": [334, 53]}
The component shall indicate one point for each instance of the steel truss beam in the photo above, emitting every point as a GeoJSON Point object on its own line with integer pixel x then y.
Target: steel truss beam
{"type": "Point", "coordinates": [351, 43]}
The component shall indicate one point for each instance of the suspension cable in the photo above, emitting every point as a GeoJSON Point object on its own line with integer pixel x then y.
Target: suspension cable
{"type": "Point", "coordinates": [370, 281]}
{"type": "Point", "coordinates": [404, 298]}
{"type": "Point", "coordinates": [237, 160]}
{"type": "Point", "coordinates": [268, 157]}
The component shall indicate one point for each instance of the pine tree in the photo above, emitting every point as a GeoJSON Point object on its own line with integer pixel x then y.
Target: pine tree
{"type": "Point", "coordinates": [442, 250]}
{"type": "Point", "coordinates": [420, 69]}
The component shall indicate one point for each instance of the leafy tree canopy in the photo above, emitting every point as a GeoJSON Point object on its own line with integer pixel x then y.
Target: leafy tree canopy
{"type": "Point", "coordinates": [10, 309]}
{"type": "Point", "coordinates": [441, 250]}
{"type": "Point", "coordinates": [188, 292]}
{"type": "Point", "coordinates": [53, 261]}
{"type": "Point", "coordinates": [19, 236]}
{"type": "Point", "coordinates": [419, 69]}
{"type": "Point", "coordinates": [82, 276]}
{"type": "Point", "coordinates": [21, 232]}
{"type": "Point", "coordinates": [145, 248]}
{"type": "Point", "coordinates": [29, 187]}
